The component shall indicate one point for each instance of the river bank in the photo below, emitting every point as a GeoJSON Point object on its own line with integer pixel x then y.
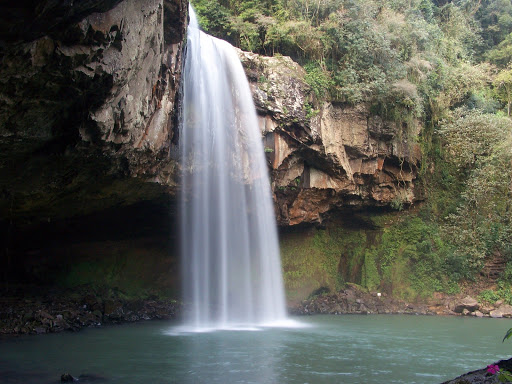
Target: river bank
{"type": "Point", "coordinates": [356, 300]}
{"type": "Point", "coordinates": [32, 312]}
{"type": "Point", "coordinates": [39, 312]}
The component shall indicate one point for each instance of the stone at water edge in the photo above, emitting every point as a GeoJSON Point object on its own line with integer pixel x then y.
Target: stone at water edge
{"type": "Point", "coordinates": [468, 303]}
{"type": "Point", "coordinates": [478, 314]}
{"type": "Point", "coordinates": [67, 378]}
{"type": "Point", "coordinates": [504, 310]}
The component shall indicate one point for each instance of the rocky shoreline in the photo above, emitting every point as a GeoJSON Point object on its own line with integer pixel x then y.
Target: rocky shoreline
{"type": "Point", "coordinates": [55, 312]}
{"type": "Point", "coordinates": [356, 300]}
{"type": "Point", "coordinates": [63, 311]}
{"type": "Point", "coordinates": [353, 300]}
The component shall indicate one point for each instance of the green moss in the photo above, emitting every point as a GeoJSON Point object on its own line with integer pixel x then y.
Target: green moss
{"type": "Point", "coordinates": [316, 258]}
{"type": "Point", "coordinates": [370, 275]}
{"type": "Point", "coordinates": [402, 254]}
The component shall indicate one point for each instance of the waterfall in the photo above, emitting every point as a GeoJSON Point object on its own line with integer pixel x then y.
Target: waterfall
{"type": "Point", "coordinates": [230, 251]}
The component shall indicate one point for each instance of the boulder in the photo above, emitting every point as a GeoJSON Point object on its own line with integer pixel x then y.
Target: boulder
{"type": "Point", "coordinates": [468, 303]}
{"type": "Point", "coordinates": [504, 310]}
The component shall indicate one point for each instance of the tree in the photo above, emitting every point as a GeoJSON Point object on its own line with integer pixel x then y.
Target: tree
{"type": "Point", "coordinates": [503, 87]}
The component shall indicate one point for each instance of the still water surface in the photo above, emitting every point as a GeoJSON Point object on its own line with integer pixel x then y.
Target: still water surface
{"type": "Point", "coordinates": [326, 349]}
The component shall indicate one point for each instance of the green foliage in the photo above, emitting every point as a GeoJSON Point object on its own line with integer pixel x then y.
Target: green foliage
{"type": "Point", "coordinates": [313, 259]}
{"type": "Point", "coordinates": [501, 55]}
{"type": "Point", "coordinates": [370, 277]}
{"type": "Point", "coordinates": [478, 145]}
{"type": "Point", "coordinates": [507, 335]}
{"type": "Point", "coordinates": [310, 112]}
{"type": "Point", "coordinates": [495, 17]}
{"type": "Point", "coordinates": [505, 376]}
{"type": "Point", "coordinates": [318, 79]}
{"type": "Point", "coordinates": [405, 257]}
{"type": "Point", "coordinates": [503, 292]}
{"type": "Point", "coordinates": [410, 256]}
{"type": "Point", "coordinates": [503, 87]}
{"type": "Point", "coordinates": [134, 271]}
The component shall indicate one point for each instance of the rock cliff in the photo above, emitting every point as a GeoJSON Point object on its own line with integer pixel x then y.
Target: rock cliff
{"type": "Point", "coordinates": [87, 102]}
{"type": "Point", "coordinates": [326, 156]}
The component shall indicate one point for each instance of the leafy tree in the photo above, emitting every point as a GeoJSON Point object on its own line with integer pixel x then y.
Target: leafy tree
{"type": "Point", "coordinates": [501, 55]}
{"type": "Point", "coordinates": [495, 18]}
{"type": "Point", "coordinates": [503, 87]}
{"type": "Point", "coordinates": [479, 145]}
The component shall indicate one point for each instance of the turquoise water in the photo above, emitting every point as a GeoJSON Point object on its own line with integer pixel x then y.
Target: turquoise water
{"type": "Point", "coordinates": [326, 349]}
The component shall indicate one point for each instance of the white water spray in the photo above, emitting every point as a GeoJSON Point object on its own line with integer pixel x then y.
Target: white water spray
{"type": "Point", "coordinates": [230, 252]}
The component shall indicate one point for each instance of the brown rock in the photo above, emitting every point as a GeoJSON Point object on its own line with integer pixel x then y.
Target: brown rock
{"type": "Point", "coordinates": [504, 310]}
{"type": "Point", "coordinates": [468, 303]}
{"type": "Point", "coordinates": [338, 155]}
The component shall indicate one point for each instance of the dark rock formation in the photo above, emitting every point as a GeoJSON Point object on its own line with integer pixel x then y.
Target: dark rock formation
{"type": "Point", "coordinates": [326, 157]}
{"type": "Point", "coordinates": [60, 311]}
{"type": "Point", "coordinates": [482, 376]}
{"type": "Point", "coordinates": [88, 92]}
{"type": "Point", "coordinates": [87, 102]}
{"type": "Point", "coordinates": [88, 128]}
{"type": "Point", "coordinates": [67, 378]}
{"type": "Point", "coordinates": [88, 96]}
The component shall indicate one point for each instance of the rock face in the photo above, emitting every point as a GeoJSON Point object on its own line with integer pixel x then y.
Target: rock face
{"type": "Point", "coordinates": [88, 91]}
{"type": "Point", "coordinates": [87, 100]}
{"type": "Point", "coordinates": [88, 124]}
{"type": "Point", "coordinates": [329, 156]}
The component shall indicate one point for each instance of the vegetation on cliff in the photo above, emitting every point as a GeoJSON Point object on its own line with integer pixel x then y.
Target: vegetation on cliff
{"type": "Point", "coordinates": [443, 63]}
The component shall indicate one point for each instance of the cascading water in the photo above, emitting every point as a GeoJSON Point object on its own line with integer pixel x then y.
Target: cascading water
{"type": "Point", "coordinates": [230, 252]}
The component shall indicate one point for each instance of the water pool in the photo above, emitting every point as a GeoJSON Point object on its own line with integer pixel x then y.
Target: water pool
{"type": "Point", "coordinates": [322, 349]}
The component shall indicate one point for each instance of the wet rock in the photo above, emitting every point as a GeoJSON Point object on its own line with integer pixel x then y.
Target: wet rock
{"type": "Point", "coordinates": [40, 330]}
{"type": "Point", "coordinates": [486, 309]}
{"type": "Point", "coordinates": [481, 376]}
{"type": "Point", "coordinates": [113, 310]}
{"type": "Point", "coordinates": [356, 300]}
{"type": "Point", "coordinates": [56, 313]}
{"type": "Point", "coordinates": [60, 324]}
